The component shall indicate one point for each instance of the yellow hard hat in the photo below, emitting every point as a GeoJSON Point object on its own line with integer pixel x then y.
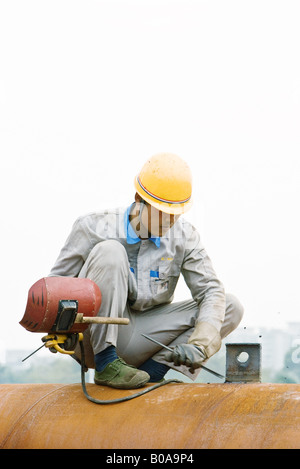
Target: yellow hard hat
{"type": "Point", "coordinates": [165, 182]}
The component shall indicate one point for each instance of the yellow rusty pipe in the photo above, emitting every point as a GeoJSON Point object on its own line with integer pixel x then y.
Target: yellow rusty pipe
{"type": "Point", "coordinates": [180, 416]}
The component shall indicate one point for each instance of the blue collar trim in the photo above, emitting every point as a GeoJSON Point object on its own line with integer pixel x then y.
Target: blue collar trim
{"type": "Point", "coordinates": [131, 236]}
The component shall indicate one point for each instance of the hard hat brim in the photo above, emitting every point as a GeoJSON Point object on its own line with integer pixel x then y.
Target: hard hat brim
{"type": "Point", "coordinates": [173, 208]}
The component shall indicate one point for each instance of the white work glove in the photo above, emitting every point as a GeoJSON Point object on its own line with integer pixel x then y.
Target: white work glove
{"type": "Point", "coordinates": [207, 338]}
{"type": "Point", "coordinates": [204, 342]}
{"type": "Point", "coordinates": [188, 355]}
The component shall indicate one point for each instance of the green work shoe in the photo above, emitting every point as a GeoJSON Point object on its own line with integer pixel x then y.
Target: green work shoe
{"type": "Point", "coordinates": [118, 374]}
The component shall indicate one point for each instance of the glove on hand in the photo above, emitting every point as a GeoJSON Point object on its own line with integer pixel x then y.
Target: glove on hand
{"type": "Point", "coordinates": [204, 342]}
{"type": "Point", "coordinates": [188, 355]}
{"type": "Point", "coordinates": [206, 337]}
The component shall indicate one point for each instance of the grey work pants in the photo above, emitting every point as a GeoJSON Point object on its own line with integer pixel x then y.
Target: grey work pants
{"type": "Point", "coordinates": [171, 324]}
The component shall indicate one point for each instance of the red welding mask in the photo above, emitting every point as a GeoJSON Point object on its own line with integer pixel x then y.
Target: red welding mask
{"type": "Point", "coordinates": [55, 303]}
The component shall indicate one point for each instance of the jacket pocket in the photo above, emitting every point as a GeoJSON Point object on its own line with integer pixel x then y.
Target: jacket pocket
{"type": "Point", "coordinates": [163, 281]}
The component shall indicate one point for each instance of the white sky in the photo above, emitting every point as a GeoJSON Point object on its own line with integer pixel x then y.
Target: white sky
{"type": "Point", "coordinates": [89, 89]}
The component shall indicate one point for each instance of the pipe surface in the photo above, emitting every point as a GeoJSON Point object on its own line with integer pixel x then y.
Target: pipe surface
{"type": "Point", "coordinates": [175, 416]}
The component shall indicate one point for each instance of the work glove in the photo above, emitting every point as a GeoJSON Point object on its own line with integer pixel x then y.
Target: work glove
{"type": "Point", "coordinates": [206, 337]}
{"type": "Point", "coordinates": [204, 342]}
{"type": "Point", "coordinates": [188, 355]}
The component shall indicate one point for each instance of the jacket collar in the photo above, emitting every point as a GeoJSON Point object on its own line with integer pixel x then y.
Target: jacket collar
{"type": "Point", "coordinates": [131, 236]}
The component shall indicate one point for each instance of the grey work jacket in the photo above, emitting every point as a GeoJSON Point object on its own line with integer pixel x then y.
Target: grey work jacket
{"type": "Point", "coordinates": [154, 271]}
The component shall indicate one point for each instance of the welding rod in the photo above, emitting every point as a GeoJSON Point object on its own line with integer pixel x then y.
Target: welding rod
{"type": "Point", "coordinates": [33, 352]}
{"type": "Point", "coordinates": [171, 350]}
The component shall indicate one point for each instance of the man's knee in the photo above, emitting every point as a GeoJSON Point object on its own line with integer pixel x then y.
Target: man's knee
{"type": "Point", "coordinates": [235, 309]}
{"type": "Point", "coordinates": [107, 257]}
{"type": "Point", "coordinates": [110, 253]}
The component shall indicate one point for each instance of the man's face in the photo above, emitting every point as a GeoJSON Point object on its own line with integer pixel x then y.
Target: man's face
{"type": "Point", "coordinates": [156, 222]}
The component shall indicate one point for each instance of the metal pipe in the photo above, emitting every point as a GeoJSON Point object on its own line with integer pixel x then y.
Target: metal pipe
{"type": "Point", "coordinates": [179, 416]}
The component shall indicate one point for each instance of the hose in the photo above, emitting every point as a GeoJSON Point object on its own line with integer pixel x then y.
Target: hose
{"type": "Point", "coordinates": [122, 399]}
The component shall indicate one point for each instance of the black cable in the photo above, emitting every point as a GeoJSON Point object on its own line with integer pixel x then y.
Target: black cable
{"type": "Point", "coordinates": [122, 399]}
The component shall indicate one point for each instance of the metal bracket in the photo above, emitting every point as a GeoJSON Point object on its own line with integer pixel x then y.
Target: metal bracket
{"type": "Point", "coordinates": [243, 363]}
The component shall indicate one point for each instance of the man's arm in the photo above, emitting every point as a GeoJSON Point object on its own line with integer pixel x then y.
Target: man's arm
{"type": "Point", "coordinates": [209, 294]}
{"type": "Point", "coordinates": [206, 289]}
{"type": "Point", "coordinates": [73, 254]}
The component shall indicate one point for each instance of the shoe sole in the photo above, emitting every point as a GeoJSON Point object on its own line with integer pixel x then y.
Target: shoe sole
{"type": "Point", "coordinates": [121, 386]}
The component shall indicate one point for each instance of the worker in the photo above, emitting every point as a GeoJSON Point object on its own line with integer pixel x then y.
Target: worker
{"type": "Point", "coordinates": [136, 255]}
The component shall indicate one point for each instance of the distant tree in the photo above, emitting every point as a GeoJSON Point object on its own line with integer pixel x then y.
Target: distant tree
{"type": "Point", "coordinates": [290, 373]}
{"type": "Point", "coordinates": [60, 369]}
